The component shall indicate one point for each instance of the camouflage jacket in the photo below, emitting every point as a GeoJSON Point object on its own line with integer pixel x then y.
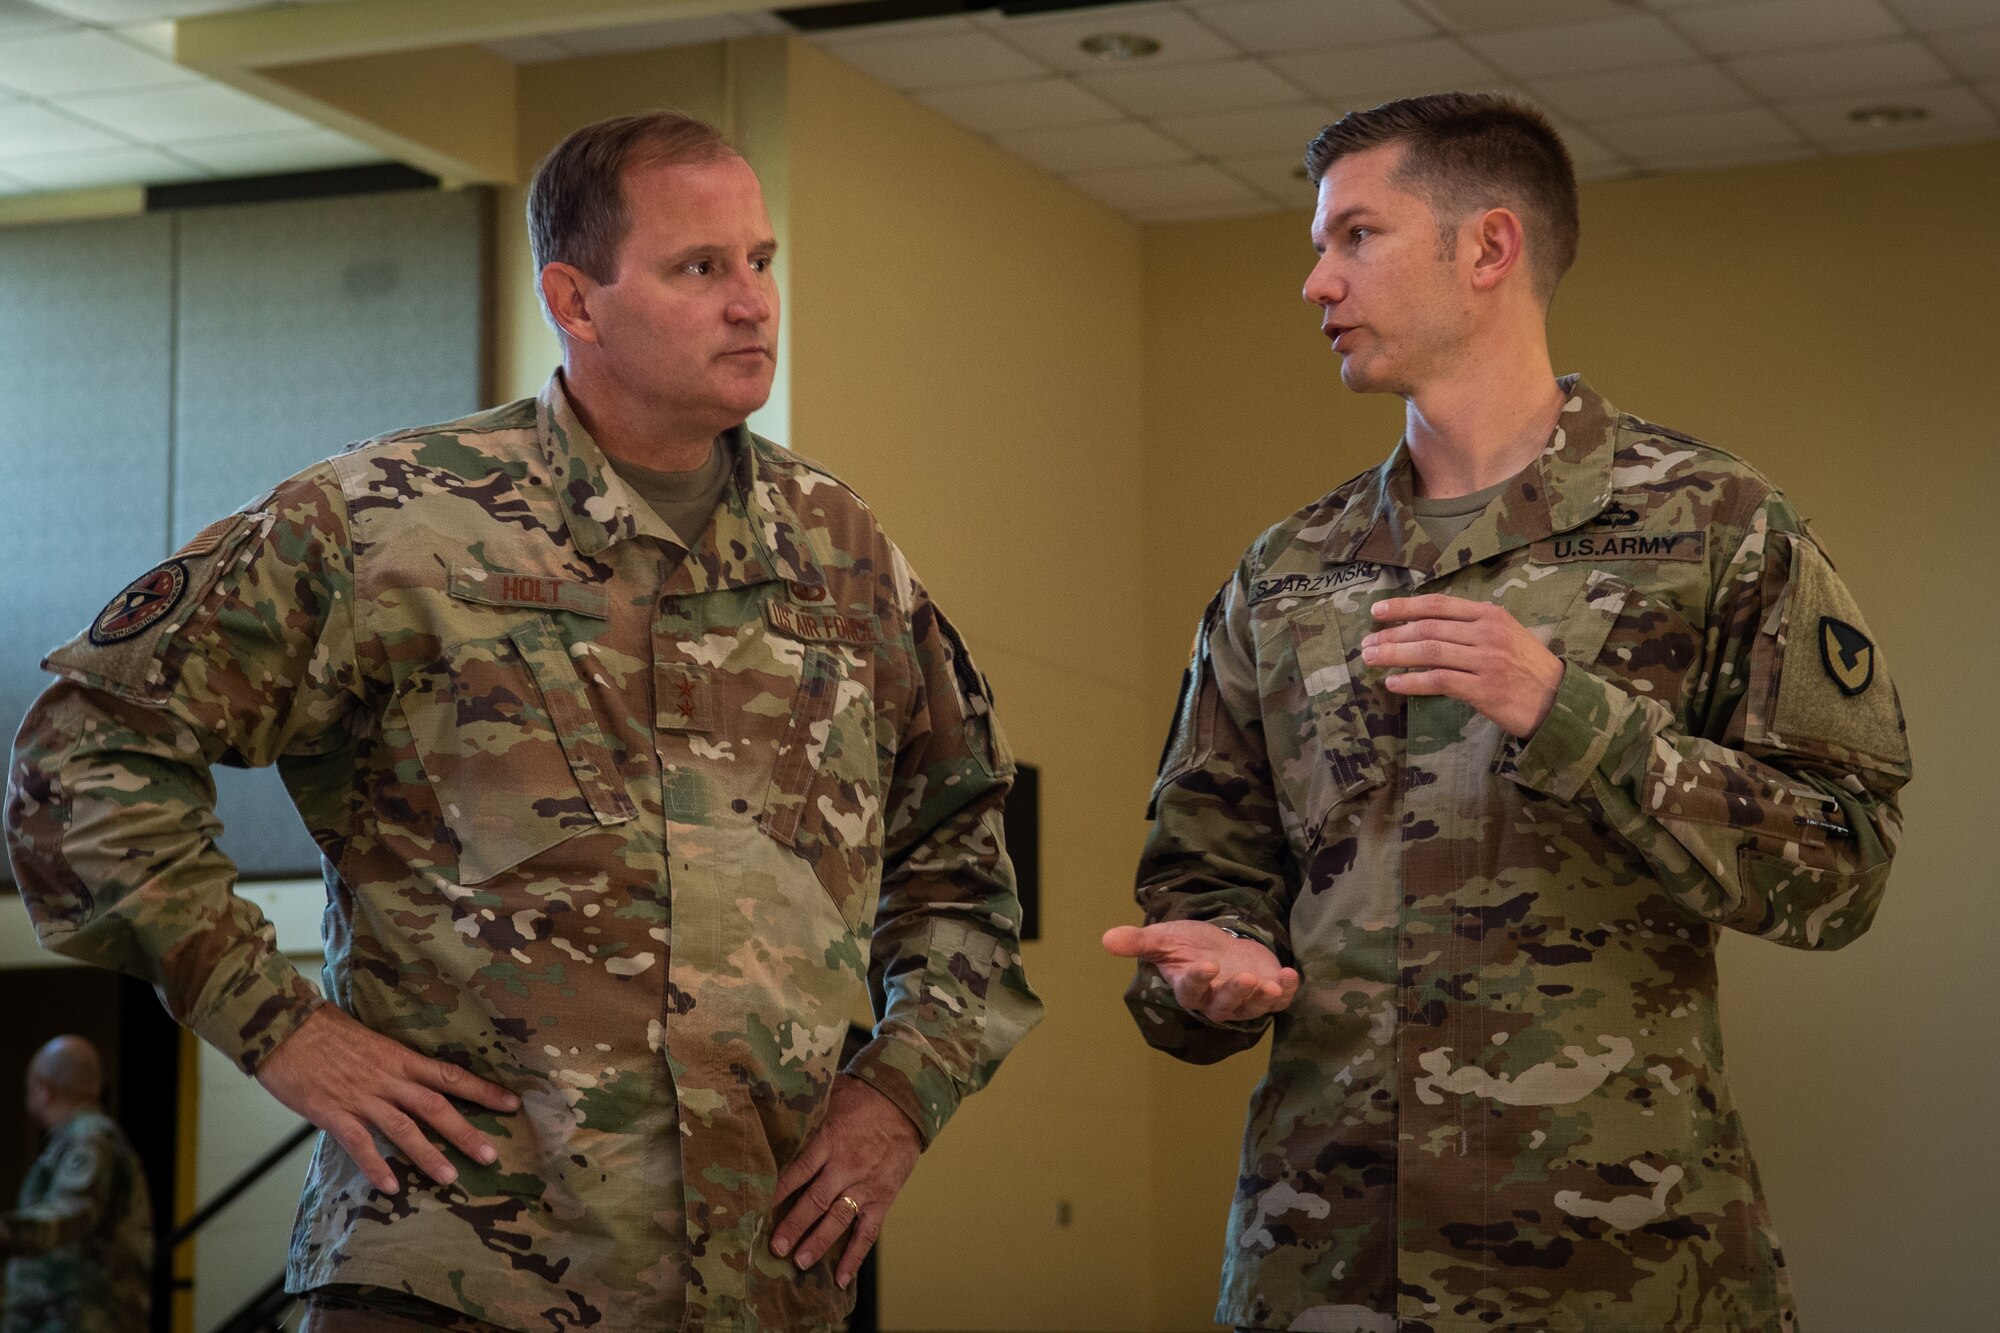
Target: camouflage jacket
{"type": "Point", "coordinates": [1498, 1100]}
{"type": "Point", "coordinates": [79, 1247]}
{"type": "Point", "coordinates": [629, 829]}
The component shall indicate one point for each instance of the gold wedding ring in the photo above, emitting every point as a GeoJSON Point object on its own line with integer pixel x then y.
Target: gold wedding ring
{"type": "Point", "coordinates": [851, 1204]}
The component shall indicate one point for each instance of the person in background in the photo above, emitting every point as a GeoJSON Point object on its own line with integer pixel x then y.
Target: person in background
{"type": "Point", "coordinates": [79, 1243]}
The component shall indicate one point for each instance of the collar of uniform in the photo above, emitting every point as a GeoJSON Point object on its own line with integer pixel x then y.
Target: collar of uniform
{"type": "Point", "coordinates": [1568, 485]}
{"type": "Point", "coordinates": [599, 508]}
{"type": "Point", "coordinates": [755, 536]}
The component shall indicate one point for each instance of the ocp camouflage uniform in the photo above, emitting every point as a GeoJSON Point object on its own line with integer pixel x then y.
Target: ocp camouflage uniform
{"type": "Point", "coordinates": [628, 829]}
{"type": "Point", "coordinates": [1497, 1101]}
{"type": "Point", "coordinates": [79, 1246]}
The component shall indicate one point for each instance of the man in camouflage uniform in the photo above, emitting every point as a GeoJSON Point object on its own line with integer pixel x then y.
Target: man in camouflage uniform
{"type": "Point", "coordinates": [1477, 757]}
{"type": "Point", "coordinates": [621, 817]}
{"type": "Point", "coordinates": [79, 1247]}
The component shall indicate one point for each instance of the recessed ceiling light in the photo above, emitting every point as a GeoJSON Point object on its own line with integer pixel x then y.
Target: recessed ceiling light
{"type": "Point", "coordinates": [1880, 117]}
{"type": "Point", "coordinates": [1119, 46]}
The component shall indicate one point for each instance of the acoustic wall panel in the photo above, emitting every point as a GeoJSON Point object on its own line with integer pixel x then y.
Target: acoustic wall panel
{"type": "Point", "coordinates": [169, 369]}
{"type": "Point", "coordinates": [302, 327]}
{"type": "Point", "coordinates": [86, 320]}
{"type": "Point", "coordinates": [307, 325]}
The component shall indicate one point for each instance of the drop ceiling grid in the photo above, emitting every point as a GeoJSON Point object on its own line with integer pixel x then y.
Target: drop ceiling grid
{"type": "Point", "coordinates": [90, 96]}
{"type": "Point", "coordinates": [1637, 86]}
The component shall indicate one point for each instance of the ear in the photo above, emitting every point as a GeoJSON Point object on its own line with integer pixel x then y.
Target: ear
{"type": "Point", "coordinates": [1499, 247]}
{"type": "Point", "coordinates": [566, 290]}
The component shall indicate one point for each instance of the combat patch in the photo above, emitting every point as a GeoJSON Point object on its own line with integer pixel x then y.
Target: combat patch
{"type": "Point", "coordinates": [1311, 585]}
{"type": "Point", "coordinates": [143, 603]}
{"type": "Point", "coordinates": [821, 626]}
{"type": "Point", "coordinates": [1847, 655]}
{"type": "Point", "coordinates": [1620, 546]}
{"type": "Point", "coordinates": [532, 592]}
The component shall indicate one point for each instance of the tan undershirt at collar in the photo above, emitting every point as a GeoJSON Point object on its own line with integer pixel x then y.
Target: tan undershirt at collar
{"type": "Point", "coordinates": [1443, 520]}
{"type": "Point", "coordinates": [684, 501]}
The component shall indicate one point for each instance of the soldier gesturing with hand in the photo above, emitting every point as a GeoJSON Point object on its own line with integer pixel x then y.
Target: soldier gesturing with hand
{"type": "Point", "coordinates": [1491, 743]}
{"type": "Point", "coordinates": [1214, 972]}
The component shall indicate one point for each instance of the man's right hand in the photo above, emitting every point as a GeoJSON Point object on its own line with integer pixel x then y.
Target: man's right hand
{"type": "Point", "coordinates": [352, 1081]}
{"type": "Point", "coordinates": [1216, 975]}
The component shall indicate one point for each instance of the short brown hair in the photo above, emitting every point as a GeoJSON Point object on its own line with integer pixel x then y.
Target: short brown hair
{"type": "Point", "coordinates": [576, 202]}
{"type": "Point", "coordinates": [1466, 151]}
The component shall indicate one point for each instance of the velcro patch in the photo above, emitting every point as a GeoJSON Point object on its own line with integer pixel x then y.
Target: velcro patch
{"type": "Point", "coordinates": [821, 626]}
{"type": "Point", "coordinates": [1620, 546]}
{"type": "Point", "coordinates": [534, 592]}
{"type": "Point", "coordinates": [143, 603]}
{"type": "Point", "coordinates": [1312, 585]}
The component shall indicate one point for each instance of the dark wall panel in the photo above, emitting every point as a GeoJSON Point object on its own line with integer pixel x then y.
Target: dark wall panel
{"type": "Point", "coordinates": [86, 317]}
{"type": "Point", "coordinates": [307, 325]}
{"type": "Point", "coordinates": [166, 370]}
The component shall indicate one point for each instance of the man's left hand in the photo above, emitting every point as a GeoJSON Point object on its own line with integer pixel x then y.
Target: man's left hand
{"type": "Point", "coordinates": [1472, 651]}
{"type": "Point", "coordinates": [846, 1176]}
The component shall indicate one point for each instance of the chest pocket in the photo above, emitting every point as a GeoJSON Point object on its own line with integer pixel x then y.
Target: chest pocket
{"type": "Point", "coordinates": [1338, 761]}
{"type": "Point", "coordinates": [1635, 639]}
{"type": "Point", "coordinates": [512, 747]}
{"type": "Point", "coordinates": [824, 801]}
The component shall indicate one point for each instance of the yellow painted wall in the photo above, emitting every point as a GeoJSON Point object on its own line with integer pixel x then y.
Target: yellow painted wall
{"type": "Point", "coordinates": [966, 353]}
{"type": "Point", "coordinates": [1834, 323]}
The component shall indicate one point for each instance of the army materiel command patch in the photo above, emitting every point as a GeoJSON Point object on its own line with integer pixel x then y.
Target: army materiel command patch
{"type": "Point", "coordinates": [1847, 654]}
{"type": "Point", "coordinates": [144, 603]}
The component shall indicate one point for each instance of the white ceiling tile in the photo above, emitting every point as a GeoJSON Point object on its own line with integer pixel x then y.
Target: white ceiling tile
{"type": "Point", "coordinates": [155, 37]}
{"type": "Point", "coordinates": [652, 36]}
{"type": "Point", "coordinates": [1170, 90]}
{"type": "Point", "coordinates": [18, 17]}
{"type": "Point", "coordinates": [1205, 212]}
{"type": "Point", "coordinates": [1697, 133]}
{"type": "Point", "coordinates": [1954, 114]}
{"type": "Point", "coordinates": [83, 61]}
{"type": "Point", "coordinates": [1491, 15]}
{"type": "Point", "coordinates": [1040, 104]}
{"type": "Point", "coordinates": [1584, 149]}
{"type": "Point", "coordinates": [1762, 157]}
{"type": "Point", "coordinates": [120, 166]}
{"type": "Point", "coordinates": [1397, 69]}
{"type": "Point", "coordinates": [1263, 132]}
{"type": "Point", "coordinates": [1118, 147]}
{"type": "Point", "coordinates": [937, 62]}
{"type": "Point", "coordinates": [27, 129]}
{"type": "Point", "coordinates": [1630, 42]}
{"type": "Point", "coordinates": [1839, 69]}
{"type": "Point", "coordinates": [1053, 39]}
{"type": "Point", "coordinates": [12, 185]}
{"type": "Point", "coordinates": [1279, 176]}
{"type": "Point", "coordinates": [1975, 54]}
{"type": "Point", "coordinates": [1189, 185]}
{"type": "Point", "coordinates": [202, 111]}
{"type": "Point", "coordinates": [1614, 170]}
{"type": "Point", "coordinates": [135, 11]}
{"type": "Point", "coordinates": [1592, 97]}
{"type": "Point", "coordinates": [1779, 25]}
{"type": "Point", "coordinates": [270, 154]}
{"type": "Point", "coordinates": [530, 50]}
{"type": "Point", "coordinates": [1946, 15]}
{"type": "Point", "coordinates": [1264, 26]}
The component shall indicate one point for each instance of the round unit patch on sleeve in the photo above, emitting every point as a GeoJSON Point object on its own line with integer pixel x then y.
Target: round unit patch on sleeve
{"type": "Point", "coordinates": [143, 604]}
{"type": "Point", "coordinates": [1847, 654]}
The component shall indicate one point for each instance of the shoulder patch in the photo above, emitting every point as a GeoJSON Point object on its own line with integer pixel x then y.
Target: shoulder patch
{"type": "Point", "coordinates": [1847, 655]}
{"type": "Point", "coordinates": [141, 604]}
